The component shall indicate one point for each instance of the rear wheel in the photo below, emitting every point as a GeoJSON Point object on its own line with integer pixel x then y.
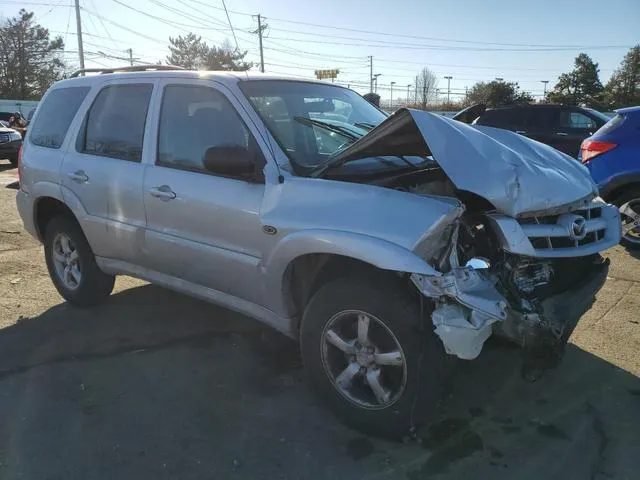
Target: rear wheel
{"type": "Point", "coordinates": [72, 265]}
{"type": "Point", "coordinates": [369, 358]}
{"type": "Point", "coordinates": [629, 206]}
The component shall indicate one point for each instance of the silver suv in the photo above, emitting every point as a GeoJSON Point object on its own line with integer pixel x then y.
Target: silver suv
{"type": "Point", "coordinates": [386, 245]}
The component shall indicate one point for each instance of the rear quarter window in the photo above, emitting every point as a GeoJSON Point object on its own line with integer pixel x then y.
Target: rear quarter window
{"type": "Point", "coordinates": [501, 118]}
{"type": "Point", "coordinates": [55, 115]}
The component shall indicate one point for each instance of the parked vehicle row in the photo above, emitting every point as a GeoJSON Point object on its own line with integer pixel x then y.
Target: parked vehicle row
{"type": "Point", "coordinates": [563, 127]}
{"type": "Point", "coordinates": [387, 246]}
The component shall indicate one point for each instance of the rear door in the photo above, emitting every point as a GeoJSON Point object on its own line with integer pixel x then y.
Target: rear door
{"type": "Point", "coordinates": [201, 227]}
{"type": "Point", "coordinates": [103, 170]}
{"type": "Point", "coordinates": [541, 124]}
{"type": "Point", "coordinates": [574, 126]}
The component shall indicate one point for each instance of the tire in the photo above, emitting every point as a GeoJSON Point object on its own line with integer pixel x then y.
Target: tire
{"type": "Point", "coordinates": [14, 161]}
{"type": "Point", "coordinates": [94, 286]}
{"type": "Point", "coordinates": [427, 367]}
{"type": "Point", "coordinates": [632, 195]}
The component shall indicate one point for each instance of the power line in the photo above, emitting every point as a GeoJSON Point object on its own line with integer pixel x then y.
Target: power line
{"type": "Point", "coordinates": [230, 26]}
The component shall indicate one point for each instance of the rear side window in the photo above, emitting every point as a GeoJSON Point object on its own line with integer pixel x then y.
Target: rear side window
{"type": "Point", "coordinates": [55, 115]}
{"type": "Point", "coordinates": [611, 125]}
{"type": "Point", "coordinates": [115, 124]}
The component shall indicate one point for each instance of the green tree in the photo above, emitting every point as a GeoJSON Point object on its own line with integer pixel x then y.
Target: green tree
{"type": "Point", "coordinates": [623, 88]}
{"type": "Point", "coordinates": [496, 93]}
{"type": "Point", "coordinates": [580, 86]}
{"type": "Point", "coordinates": [29, 59]}
{"type": "Point", "coordinates": [192, 53]}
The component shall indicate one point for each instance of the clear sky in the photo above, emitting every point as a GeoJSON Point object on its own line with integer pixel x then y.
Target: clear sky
{"type": "Point", "coordinates": [517, 40]}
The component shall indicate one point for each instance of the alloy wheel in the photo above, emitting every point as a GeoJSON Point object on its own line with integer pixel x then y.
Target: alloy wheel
{"type": "Point", "coordinates": [66, 261]}
{"type": "Point", "coordinates": [363, 359]}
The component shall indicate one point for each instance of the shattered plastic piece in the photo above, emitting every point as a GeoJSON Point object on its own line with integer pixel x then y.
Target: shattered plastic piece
{"type": "Point", "coordinates": [15, 281]}
{"type": "Point", "coordinates": [462, 332]}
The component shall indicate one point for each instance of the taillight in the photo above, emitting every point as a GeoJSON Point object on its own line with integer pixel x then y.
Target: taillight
{"type": "Point", "coordinates": [592, 148]}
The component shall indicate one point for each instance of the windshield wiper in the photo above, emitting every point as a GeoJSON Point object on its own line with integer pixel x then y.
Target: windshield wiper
{"type": "Point", "coordinates": [327, 126]}
{"type": "Point", "coordinates": [365, 125]}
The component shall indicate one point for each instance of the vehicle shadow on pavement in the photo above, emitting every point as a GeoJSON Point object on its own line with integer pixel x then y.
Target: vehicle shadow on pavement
{"type": "Point", "coordinates": [154, 384]}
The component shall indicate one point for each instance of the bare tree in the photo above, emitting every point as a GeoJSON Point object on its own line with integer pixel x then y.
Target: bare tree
{"type": "Point", "coordinates": [426, 87]}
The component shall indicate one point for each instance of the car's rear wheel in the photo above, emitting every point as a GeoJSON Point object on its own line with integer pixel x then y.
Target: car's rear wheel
{"type": "Point", "coordinates": [72, 265]}
{"type": "Point", "coordinates": [629, 206]}
{"type": "Point", "coordinates": [368, 356]}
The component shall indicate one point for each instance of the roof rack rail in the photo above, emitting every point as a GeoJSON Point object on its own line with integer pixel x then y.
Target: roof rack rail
{"type": "Point", "coordinates": [136, 68]}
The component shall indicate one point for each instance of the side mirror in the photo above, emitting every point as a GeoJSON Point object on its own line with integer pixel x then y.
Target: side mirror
{"type": "Point", "coordinates": [230, 161]}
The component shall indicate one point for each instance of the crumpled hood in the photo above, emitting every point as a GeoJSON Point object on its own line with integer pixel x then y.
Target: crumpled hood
{"type": "Point", "coordinates": [516, 174]}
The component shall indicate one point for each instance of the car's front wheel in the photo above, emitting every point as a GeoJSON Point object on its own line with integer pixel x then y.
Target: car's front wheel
{"type": "Point", "coordinates": [72, 265]}
{"type": "Point", "coordinates": [629, 206]}
{"type": "Point", "coordinates": [369, 356]}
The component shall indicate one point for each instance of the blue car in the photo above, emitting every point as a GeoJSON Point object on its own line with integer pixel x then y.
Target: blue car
{"type": "Point", "coordinates": [612, 154]}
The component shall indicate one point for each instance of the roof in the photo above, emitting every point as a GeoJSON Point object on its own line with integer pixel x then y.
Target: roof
{"type": "Point", "coordinates": [627, 110]}
{"type": "Point", "coordinates": [220, 76]}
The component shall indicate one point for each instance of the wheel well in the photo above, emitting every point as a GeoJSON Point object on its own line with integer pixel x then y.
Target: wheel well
{"type": "Point", "coordinates": [617, 192]}
{"type": "Point", "coordinates": [307, 273]}
{"type": "Point", "coordinates": [48, 208]}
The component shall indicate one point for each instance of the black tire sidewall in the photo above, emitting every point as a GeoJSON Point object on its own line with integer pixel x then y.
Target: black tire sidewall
{"type": "Point", "coordinates": [390, 302]}
{"type": "Point", "coordinates": [95, 285]}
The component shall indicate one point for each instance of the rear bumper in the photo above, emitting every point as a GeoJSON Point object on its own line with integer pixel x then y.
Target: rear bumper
{"type": "Point", "coordinates": [25, 204]}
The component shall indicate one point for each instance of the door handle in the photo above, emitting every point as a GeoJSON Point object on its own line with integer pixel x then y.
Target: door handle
{"type": "Point", "coordinates": [163, 192]}
{"type": "Point", "coordinates": [79, 176]}
{"type": "Point", "coordinates": [562, 134]}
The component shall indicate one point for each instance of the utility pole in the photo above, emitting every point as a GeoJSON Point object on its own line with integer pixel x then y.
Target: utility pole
{"type": "Point", "coordinates": [260, 41]}
{"type": "Point", "coordinates": [415, 98]}
{"type": "Point", "coordinates": [448, 88]}
{"type": "Point", "coordinates": [130, 50]}
{"type": "Point", "coordinates": [371, 72]}
{"type": "Point", "coordinates": [408, 87]}
{"type": "Point", "coordinates": [544, 94]}
{"type": "Point", "coordinates": [391, 96]}
{"type": "Point", "coordinates": [79, 31]}
{"type": "Point", "coordinates": [375, 79]}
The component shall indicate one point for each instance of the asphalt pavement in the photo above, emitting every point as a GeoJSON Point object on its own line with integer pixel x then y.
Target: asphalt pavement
{"type": "Point", "coordinates": [156, 385]}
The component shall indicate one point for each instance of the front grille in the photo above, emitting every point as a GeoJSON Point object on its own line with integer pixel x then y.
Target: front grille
{"type": "Point", "coordinates": [580, 228]}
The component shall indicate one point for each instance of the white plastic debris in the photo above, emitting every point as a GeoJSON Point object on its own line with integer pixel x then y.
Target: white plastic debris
{"type": "Point", "coordinates": [462, 331]}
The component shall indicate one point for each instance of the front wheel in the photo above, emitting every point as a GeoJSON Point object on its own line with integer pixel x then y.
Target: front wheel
{"type": "Point", "coordinates": [629, 206]}
{"type": "Point", "coordinates": [369, 358]}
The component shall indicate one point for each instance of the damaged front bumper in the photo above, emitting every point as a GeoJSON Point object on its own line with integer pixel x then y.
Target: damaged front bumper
{"type": "Point", "coordinates": [469, 307]}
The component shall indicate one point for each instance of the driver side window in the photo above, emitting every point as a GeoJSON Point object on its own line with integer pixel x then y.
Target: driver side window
{"type": "Point", "coordinates": [192, 120]}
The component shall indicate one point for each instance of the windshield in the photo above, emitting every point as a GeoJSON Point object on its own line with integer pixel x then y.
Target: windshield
{"type": "Point", "coordinates": [311, 121]}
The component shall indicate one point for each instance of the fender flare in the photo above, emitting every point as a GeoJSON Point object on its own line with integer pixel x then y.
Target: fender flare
{"type": "Point", "coordinates": [379, 253]}
{"type": "Point", "coordinates": [618, 181]}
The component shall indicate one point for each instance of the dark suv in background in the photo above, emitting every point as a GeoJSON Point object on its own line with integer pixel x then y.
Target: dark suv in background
{"type": "Point", "coordinates": [561, 126]}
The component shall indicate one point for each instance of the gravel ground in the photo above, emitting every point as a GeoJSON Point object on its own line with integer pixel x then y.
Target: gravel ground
{"type": "Point", "coordinates": [156, 385]}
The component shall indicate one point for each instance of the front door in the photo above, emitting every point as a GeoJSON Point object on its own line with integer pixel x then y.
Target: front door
{"type": "Point", "coordinates": [201, 227]}
{"type": "Point", "coordinates": [104, 170]}
{"type": "Point", "coordinates": [573, 128]}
